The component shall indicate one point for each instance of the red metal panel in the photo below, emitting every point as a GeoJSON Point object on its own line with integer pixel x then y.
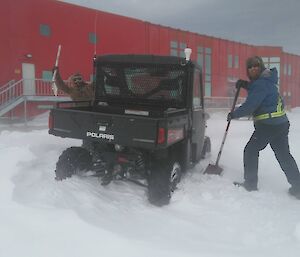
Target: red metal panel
{"type": "Point", "coordinates": [7, 72]}
{"type": "Point", "coordinates": [154, 41]}
{"type": "Point", "coordinates": [119, 34]}
{"type": "Point", "coordinates": [70, 26]}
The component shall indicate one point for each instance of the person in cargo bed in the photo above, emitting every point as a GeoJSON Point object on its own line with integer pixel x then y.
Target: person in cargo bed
{"type": "Point", "coordinates": [78, 90]}
{"type": "Point", "coordinates": [271, 125]}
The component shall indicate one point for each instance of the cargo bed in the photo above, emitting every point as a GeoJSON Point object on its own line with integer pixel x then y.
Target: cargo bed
{"type": "Point", "coordinates": [149, 129]}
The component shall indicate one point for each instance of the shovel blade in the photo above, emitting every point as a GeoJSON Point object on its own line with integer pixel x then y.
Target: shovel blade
{"type": "Point", "coordinates": [213, 170]}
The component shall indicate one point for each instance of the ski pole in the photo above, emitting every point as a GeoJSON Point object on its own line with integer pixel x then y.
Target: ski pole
{"type": "Point", "coordinates": [54, 87]}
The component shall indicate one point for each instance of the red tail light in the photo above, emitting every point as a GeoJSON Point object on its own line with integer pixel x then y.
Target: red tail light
{"type": "Point", "coordinates": [50, 121]}
{"type": "Point", "coordinates": [122, 159]}
{"type": "Point", "coordinates": [161, 136]}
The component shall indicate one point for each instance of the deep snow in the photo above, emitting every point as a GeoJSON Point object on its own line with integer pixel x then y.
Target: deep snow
{"type": "Point", "coordinates": [207, 217]}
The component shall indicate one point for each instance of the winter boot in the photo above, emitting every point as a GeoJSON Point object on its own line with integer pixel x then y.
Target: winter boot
{"type": "Point", "coordinates": [295, 191]}
{"type": "Point", "coordinates": [248, 186]}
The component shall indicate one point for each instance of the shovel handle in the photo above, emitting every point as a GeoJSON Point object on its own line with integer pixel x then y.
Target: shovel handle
{"type": "Point", "coordinates": [228, 124]}
{"type": "Point", "coordinates": [54, 87]}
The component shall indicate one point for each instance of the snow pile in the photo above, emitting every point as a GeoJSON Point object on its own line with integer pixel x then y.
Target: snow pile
{"type": "Point", "coordinates": [207, 216]}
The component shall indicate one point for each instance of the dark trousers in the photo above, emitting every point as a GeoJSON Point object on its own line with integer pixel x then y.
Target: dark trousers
{"type": "Point", "coordinates": [277, 137]}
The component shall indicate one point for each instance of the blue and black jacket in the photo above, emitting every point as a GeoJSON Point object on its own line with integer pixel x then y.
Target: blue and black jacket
{"type": "Point", "coordinates": [263, 102]}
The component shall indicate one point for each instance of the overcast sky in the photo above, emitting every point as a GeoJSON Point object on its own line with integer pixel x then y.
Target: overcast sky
{"type": "Point", "coordinates": [258, 22]}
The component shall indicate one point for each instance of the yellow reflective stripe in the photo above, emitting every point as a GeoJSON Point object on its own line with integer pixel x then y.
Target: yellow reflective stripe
{"type": "Point", "coordinates": [278, 113]}
{"type": "Point", "coordinates": [269, 115]}
{"type": "Point", "coordinates": [262, 117]}
{"type": "Point", "coordinates": [279, 105]}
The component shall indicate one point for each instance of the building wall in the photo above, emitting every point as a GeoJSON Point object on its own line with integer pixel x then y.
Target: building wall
{"type": "Point", "coordinates": [73, 27]}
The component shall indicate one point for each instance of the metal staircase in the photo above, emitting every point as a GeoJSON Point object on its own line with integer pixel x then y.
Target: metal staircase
{"type": "Point", "coordinates": [12, 94]}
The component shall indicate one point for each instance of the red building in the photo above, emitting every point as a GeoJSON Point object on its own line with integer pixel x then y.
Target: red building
{"type": "Point", "coordinates": [31, 31]}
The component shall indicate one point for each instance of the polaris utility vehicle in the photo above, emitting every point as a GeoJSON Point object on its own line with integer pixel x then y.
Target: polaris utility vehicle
{"type": "Point", "coordinates": [146, 123]}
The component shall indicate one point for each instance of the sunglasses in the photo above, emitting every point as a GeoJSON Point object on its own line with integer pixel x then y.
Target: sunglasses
{"type": "Point", "coordinates": [253, 65]}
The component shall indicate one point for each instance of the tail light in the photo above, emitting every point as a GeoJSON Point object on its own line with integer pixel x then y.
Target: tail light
{"type": "Point", "coordinates": [122, 159]}
{"type": "Point", "coordinates": [50, 121]}
{"type": "Point", "coordinates": [161, 136]}
{"type": "Point", "coordinates": [175, 135]}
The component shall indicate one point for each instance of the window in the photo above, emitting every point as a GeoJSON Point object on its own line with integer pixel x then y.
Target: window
{"type": "Point", "coordinates": [207, 64]}
{"type": "Point", "coordinates": [273, 62]}
{"type": "Point", "coordinates": [174, 44]}
{"type": "Point", "coordinates": [46, 75]}
{"type": "Point", "coordinates": [289, 70]}
{"type": "Point", "coordinates": [173, 52]}
{"type": "Point", "coordinates": [236, 61]}
{"type": "Point", "coordinates": [207, 88]}
{"type": "Point", "coordinates": [207, 77]}
{"type": "Point", "coordinates": [45, 30]}
{"type": "Point", "coordinates": [200, 53]}
{"type": "Point", "coordinates": [177, 49]}
{"type": "Point", "coordinates": [274, 59]}
{"type": "Point", "coordinates": [204, 60]}
{"type": "Point", "coordinates": [208, 50]}
{"type": "Point", "coordinates": [173, 48]}
{"type": "Point", "coordinates": [229, 61]}
{"type": "Point", "coordinates": [182, 47]}
{"type": "Point", "coordinates": [93, 38]}
{"type": "Point", "coordinates": [275, 65]}
{"type": "Point", "coordinates": [207, 71]}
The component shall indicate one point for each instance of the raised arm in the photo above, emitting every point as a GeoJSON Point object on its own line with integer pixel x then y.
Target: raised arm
{"type": "Point", "coordinates": [60, 83]}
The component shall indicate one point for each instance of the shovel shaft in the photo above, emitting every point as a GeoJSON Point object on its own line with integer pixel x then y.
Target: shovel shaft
{"type": "Point", "coordinates": [54, 87]}
{"type": "Point", "coordinates": [227, 127]}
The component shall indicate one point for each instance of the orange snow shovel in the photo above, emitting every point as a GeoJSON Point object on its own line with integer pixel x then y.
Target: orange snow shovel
{"type": "Point", "coordinates": [215, 169]}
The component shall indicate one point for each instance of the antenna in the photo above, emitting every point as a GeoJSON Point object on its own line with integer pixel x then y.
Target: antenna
{"type": "Point", "coordinates": [94, 82]}
{"type": "Point", "coordinates": [95, 32]}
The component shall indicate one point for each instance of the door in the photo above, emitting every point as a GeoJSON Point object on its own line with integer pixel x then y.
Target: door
{"type": "Point", "coordinates": [28, 74]}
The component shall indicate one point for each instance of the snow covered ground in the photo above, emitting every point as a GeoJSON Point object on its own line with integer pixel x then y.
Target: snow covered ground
{"type": "Point", "coordinates": [207, 217]}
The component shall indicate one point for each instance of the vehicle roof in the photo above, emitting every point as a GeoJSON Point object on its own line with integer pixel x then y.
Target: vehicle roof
{"type": "Point", "coordinates": [140, 59]}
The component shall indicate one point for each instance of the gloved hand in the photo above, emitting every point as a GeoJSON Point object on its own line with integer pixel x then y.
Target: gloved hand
{"type": "Point", "coordinates": [230, 116]}
{"type": "Point", "coordinates": [242, 84]}
{"type": "Point", "coordinates": [57, 75]}
{"type": "Point", "coordinates": [55, 68]}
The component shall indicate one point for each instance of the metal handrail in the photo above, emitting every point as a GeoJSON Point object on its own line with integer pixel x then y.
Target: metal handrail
{"type": "Point", "coordinates": [8, 84]}
{"type": "Point", "coordinates": [44, 88]}
{"type": "Point", "coordinates": [11, 93]}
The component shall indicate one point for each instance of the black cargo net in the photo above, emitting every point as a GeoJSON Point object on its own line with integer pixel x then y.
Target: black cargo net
{"type": "Point", "coordinates": [151, 83]}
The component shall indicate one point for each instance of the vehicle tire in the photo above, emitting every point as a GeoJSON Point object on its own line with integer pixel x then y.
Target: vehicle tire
{"type": "Point", "coordinates": [206, 148]}
{"type": "Point", "coordinates": [73, 160]}
{"type": "Point", "coordinates": [162, 182]}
